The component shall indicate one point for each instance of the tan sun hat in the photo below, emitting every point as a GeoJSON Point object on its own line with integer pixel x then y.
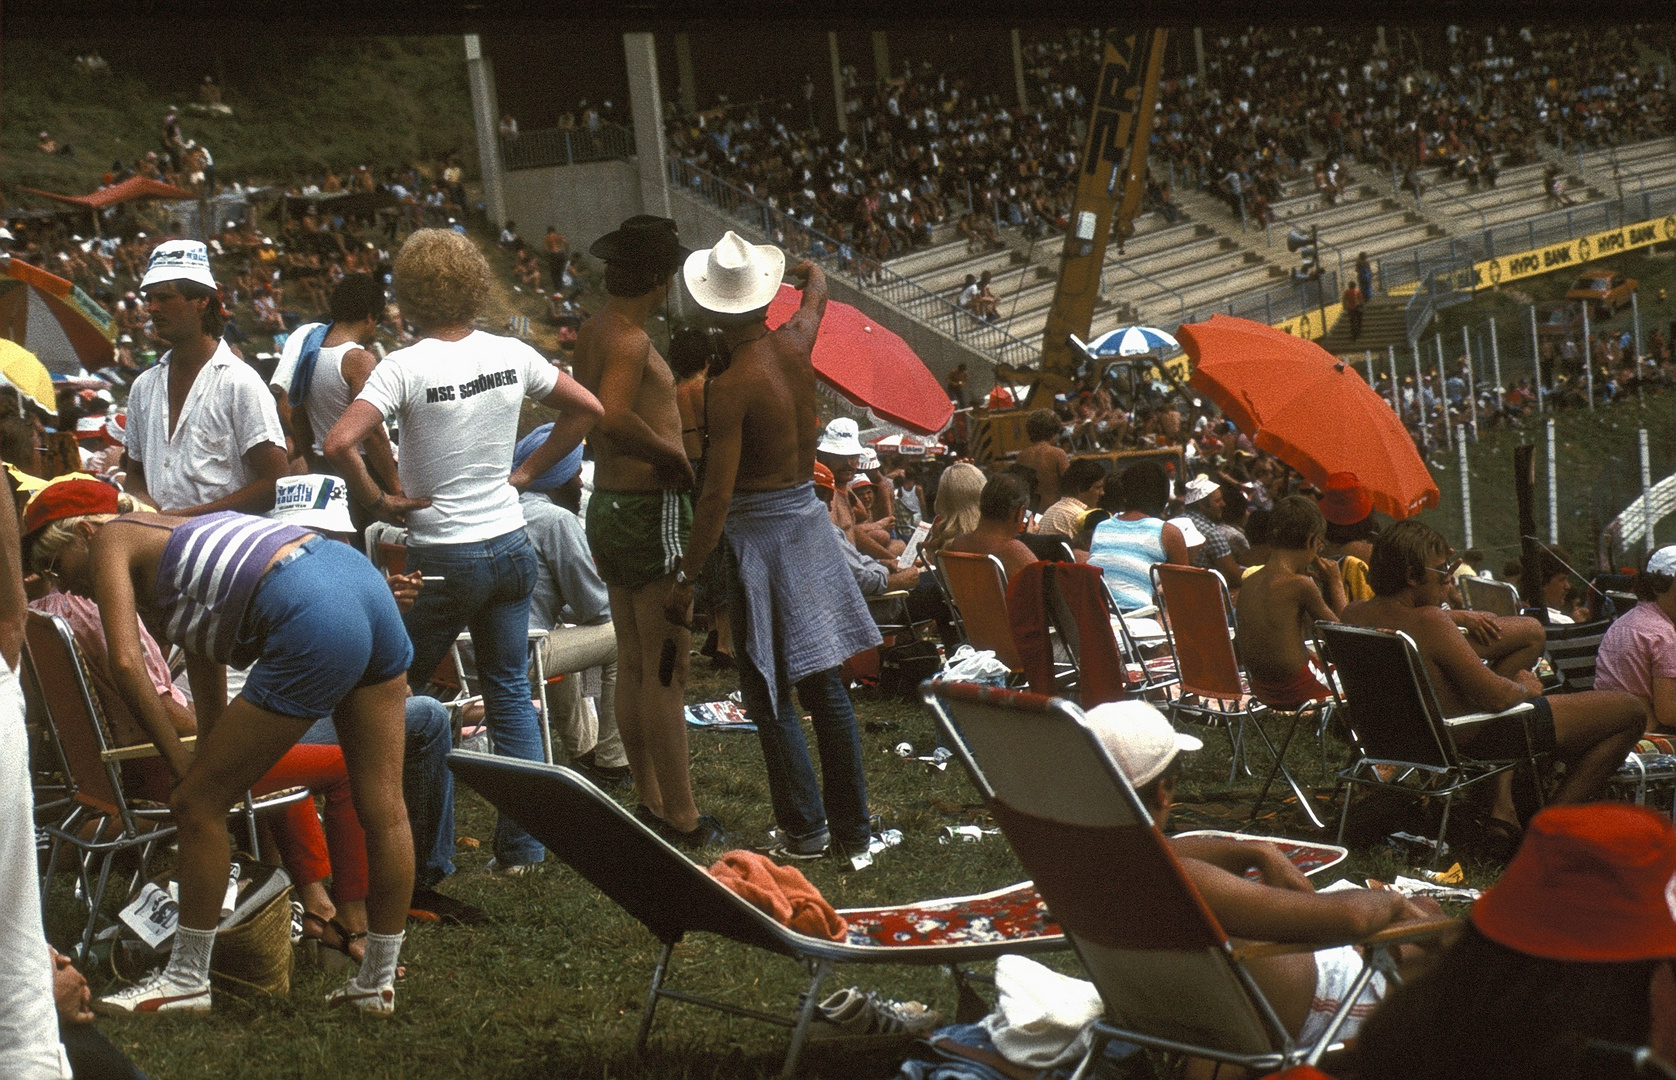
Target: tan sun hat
{"type": "Point", "coordinates": [735, 276]}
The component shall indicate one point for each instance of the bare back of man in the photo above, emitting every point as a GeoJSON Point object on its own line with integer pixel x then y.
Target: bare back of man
{"type": "Point", "coordinates": [637, 523]}
{"type": "Point", "coordinates": [1276, 608]}
{"type": "Point", "coordinates": [1593, 731]}
{"type": "Point", "coordinates": [1049, 463]}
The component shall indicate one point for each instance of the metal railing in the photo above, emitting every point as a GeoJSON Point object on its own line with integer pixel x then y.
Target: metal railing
{"type": "Point", "coordinates": [1553, 227]}
{"type": "Point", "coordinates": [862, 271]}
{"type": "Point", "coordinates": [565, 146]}
{"type": "Point", "coordinates": [1276, 305]}
{"type": "Point", "coordinates": [1443, 286]}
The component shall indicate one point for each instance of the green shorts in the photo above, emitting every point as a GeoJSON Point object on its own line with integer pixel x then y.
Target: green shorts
{"type": "Point", "coordinates": [638, 536]}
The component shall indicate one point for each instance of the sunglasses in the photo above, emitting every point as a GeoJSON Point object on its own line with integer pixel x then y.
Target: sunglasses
{"type": "Point", "coordinates": [1447, 570]}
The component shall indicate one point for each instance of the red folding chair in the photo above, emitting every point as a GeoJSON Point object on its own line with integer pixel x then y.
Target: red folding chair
{"type": "Point", "coordinates": [977, 588]}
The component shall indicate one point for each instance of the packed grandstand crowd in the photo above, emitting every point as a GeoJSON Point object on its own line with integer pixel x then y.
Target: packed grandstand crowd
{"type": "Point", "coordinates": [928, 146]}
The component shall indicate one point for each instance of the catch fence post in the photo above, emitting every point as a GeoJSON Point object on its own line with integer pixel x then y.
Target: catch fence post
{"type": "Point", "coordinates": [1466, 485]}
{"type": "Point", "coordinates": [1553, 490]}
{"type": "Point", "coordinates": [1646, 497]}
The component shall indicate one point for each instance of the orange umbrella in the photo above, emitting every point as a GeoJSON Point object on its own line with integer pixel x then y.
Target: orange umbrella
{"type": "Point", "coordinates": [1309, 409]}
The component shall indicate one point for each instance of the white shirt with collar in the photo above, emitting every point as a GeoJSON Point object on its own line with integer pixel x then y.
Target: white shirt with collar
{"type": "Point", "coordinates": [227, 412]}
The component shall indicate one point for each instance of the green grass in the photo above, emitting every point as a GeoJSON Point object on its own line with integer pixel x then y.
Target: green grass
{"type": "Point", "coordinates": [1598, 457]}
{"type": "Point", "coordinates": [299, 103]}
{"type": "Point", "coordinates": [554, 988]}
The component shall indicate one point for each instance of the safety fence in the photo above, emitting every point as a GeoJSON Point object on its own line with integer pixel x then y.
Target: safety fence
{"type": "Point", "coordinates": [565, 146]}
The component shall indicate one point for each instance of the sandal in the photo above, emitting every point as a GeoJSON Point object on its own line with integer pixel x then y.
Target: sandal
{"type": "Point", "coordinates": [335, 955]}
{"type": "Point", "coordinates": [325, 952]}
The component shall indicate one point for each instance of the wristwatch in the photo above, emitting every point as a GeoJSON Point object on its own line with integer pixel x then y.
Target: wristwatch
{"type": "Point", "coordinates": [681, 578]}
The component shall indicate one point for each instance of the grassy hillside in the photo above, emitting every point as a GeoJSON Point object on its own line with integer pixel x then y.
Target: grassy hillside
{"type": "Point", "coordinates": [1599, 464]}
{"type": "Point", "coordinates": [299, 104]}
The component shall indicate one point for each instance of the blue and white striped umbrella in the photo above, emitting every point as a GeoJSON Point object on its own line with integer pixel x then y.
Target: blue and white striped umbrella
{"type": "Point", "coordinates": [1131, 341]}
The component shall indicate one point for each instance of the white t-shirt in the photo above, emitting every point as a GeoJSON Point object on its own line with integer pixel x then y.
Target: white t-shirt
{"type": "Point", "coordinates": [328, 392]}
{"type": "Point", "coordinates": [457, 404]}
{"type": "Point", "coordinates": [227, 412]}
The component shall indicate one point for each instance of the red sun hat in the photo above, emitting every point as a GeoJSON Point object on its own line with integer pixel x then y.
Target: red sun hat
{"type": "Point", "coordinates": [1593, 883]}
{"type": "Point", "coordinates": [67, 499]}
{"type": "Point", "coordinates": [824, 478]}
{"type": "Point", "coordinates": [1345, 501]}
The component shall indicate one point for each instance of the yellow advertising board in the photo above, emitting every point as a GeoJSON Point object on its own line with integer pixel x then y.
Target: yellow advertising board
{"type": "Point", "coordinates": [1310, 324]}
{"type": "Point", "coordinates": [1573, 253]}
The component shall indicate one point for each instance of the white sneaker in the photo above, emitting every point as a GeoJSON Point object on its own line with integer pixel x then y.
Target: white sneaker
{"type": "Point", "coordinates": [156, 993]}
{"type": "Point", "coordinates": [378, 1001]}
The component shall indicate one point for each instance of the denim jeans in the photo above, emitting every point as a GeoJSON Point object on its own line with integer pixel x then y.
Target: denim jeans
{"type": "Point", "coordinates": [799, 809]}
{"type": "Point", "coordinates": [485, 588]}
{"type": "Point", "coordinates": [427, 784]}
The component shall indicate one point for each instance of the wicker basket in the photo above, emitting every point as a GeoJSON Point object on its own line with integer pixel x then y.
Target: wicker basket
{"type": "Point", "coordinates": [256, 954]}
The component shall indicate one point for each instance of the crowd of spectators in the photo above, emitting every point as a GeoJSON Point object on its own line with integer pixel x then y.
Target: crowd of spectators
{"type": "Point", "coordinates": [1275, 105]}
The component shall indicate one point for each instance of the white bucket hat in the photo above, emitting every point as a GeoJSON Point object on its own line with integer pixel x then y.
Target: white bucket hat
{"type": "Point", "coordinates": [841, 437]}
{"type": "Point", "coordinates": [735, 276]}
{"type": "Point", "coordinates": [1139, 737]}
{"type": "Point", "coordinates": [179, 260]}
{"type": "Point", "coordinates": [313, 501]}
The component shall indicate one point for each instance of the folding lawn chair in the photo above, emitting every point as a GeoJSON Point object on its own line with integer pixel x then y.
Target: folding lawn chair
{"type": "Point", "coordinates": [1397, 726]}
{"type": "Point", "coordinates": [1171, 979]}
{"type": "Point", "coordinates": [1572, 650]}
{"type": "Point", "coordinates": [104, 822]}
{"type": "Point", "coordinates": [977, 587]}
{"type": "Point", "coordinates": [672, 896]}
{"type": "Point", "coordinates": [1495, 597]}
{"type": "Point", "coordinates": [1199, 618]}
{"type": "Point", "coordinates": [1069, 601]}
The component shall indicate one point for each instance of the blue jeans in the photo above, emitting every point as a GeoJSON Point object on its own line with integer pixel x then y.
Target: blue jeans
{"type": "Point", "coordinates": [799, 809]}
{"type": "Point", "coordinates": [427, 784]}
{"type": "Point", "coordinates": [485, 588]}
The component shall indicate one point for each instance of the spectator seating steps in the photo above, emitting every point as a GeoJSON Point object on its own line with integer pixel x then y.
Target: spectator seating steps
{"type": "Point", "coordinates": [1384, 322]}
{"type": "Point", "coordinates": [951, 277]}
{"type": "Point", "coordinates": [1311, 200]}
{"type": "Point", "coordinates": [1325, 217]}
{"type": "Point", "coordinates": [1381, 232]}
{"type": "Point", "coordinates": [1655, 158]}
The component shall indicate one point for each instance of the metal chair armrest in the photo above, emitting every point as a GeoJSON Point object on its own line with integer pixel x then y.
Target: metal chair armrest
{"type": "Point", "coordinates": [1468, 719]}
{"type": "Point", "coordinates": [1438, 929]}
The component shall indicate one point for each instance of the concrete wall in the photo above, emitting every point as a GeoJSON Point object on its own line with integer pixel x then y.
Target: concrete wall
{"type": "Point", "coordinates": [702, 225]}
{"type": "Point", "coordinates": [584, 201]}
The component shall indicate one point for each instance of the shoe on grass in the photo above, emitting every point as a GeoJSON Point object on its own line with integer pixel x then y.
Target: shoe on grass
{"type": "Point", "coordinates": [156, 993]}
{"type": "Point", "coordinates": [783, 848]}
{"type": "Point", "coordinates": [374, 1001]}
{"type": "Point", "coordinates": [850, 1013]}
{"type": "Point", "coordinates": [496, 868]}
{"type": "Point", "coordinates": [708, 833]}
{"type": "Point", "coordinates": [430, 906]}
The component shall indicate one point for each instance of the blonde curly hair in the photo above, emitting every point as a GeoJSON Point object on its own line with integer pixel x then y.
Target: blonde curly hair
{"type": "Point", "coordinates": [55, 537]}
{"type": "Point", "coordinates": [441, 279]}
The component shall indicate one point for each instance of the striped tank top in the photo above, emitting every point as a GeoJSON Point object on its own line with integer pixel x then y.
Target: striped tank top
{"type": "Point", "coordinates": [209, 571]}
{"type": "Point", "coordinates": [1126, 551]}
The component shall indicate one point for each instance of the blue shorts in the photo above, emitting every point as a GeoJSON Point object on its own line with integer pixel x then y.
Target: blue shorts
{"type": "Point", "coordinates": [324, 624]}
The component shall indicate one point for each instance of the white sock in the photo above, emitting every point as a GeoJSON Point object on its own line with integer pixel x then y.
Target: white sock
{"type": "Point", "coordinates": [189, 963]}
{"type": "Point", "coordinates": [378, 967]}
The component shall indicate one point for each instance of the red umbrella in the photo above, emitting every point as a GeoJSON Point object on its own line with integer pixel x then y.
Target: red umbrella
{"type": "Point", "coordinates": [870, 366]}
{"type": "Point", "coordinates": [1309, 409]}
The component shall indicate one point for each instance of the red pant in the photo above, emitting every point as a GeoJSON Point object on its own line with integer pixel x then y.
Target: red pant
{"type": "Point", "coordinates": [301, 845]}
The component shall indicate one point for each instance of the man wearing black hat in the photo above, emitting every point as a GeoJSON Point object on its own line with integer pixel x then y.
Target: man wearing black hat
{"type": "Point", "coordinates": [640, 516]}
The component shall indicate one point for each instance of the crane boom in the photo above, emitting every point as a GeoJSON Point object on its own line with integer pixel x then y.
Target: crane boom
{"type": "Point", "coordinates": [1110, 184]}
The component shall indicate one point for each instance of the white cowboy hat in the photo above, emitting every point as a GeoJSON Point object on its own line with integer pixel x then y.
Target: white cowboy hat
{"type": "Point", "coordinates": [734, 276]}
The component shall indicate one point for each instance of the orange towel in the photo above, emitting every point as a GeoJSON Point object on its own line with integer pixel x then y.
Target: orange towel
{"type": "Point", "coordinates": [781, 891]}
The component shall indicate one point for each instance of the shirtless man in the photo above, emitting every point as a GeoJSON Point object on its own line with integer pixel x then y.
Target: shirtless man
{"type": "Point", "coordinates": [797, 612]}
{"type": "Point", "coordinates": [1591, 731]}
{"type": "Point", "coordinates": [1043, 458]}
{"type": "Point", "coordinates": [1295, 588]}
{"type": "Point", "coordinates": [639, 516]}
{"type": "Point", "coordinates": [1000, 520]}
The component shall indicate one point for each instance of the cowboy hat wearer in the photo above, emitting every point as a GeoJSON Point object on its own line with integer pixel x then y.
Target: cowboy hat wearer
{"type": "Point", "coordinates": [735, 276]}
{"type": "Point", "coordinates": [1594, 882]}
{"type": "Point", "coordinates": [1346, 501]}
{"type": "Point", "coordinates": [842, 438]}
{"type": "Point", "coordinates": [179, 260]}
{"type": "Point", "coordinates": [643, 241]}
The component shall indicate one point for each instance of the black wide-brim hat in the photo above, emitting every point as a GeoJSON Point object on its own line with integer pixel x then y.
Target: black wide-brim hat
{"type": "Point", "coordinates": [645, 242]}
